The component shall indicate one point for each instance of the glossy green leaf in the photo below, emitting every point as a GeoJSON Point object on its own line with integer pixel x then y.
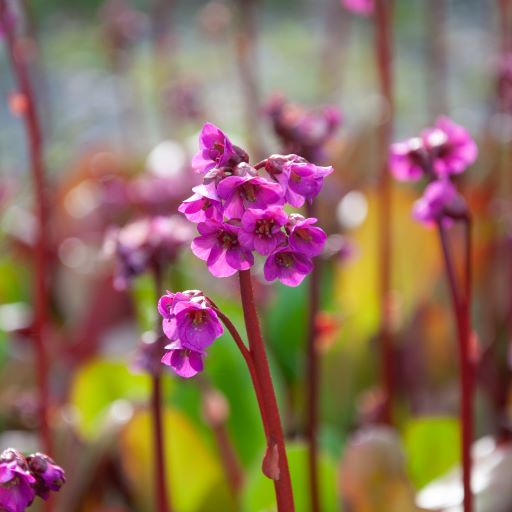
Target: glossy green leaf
{"type": "Point", "coordinates": [195, 477]}
{"type": "Point", "coordinates": [432, 446]}
{"type": "Point", "coordinates": [99, 383]}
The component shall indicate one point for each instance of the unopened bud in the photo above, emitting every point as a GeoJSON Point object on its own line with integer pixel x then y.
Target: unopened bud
{"type": "Point", "coordinates": [270, 464]}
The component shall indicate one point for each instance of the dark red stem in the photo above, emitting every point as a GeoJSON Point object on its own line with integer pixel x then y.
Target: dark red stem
{"type": "Point", "coordinates": [383, 53]}
{"type": "Point", "coordinates": [462, 314]}
{"type": "Point", "coordinates": [160, 471]}
{"type": "Point", "coordinates": [18, 59]}
{"type": "Point", "coordinates": [312, 382]}
{"type": "Point", "coordinates": [275, 437]}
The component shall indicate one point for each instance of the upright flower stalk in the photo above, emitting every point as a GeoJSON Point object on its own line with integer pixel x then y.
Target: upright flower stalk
{"type": "Point", "coordinates": [239, 211]}
{"type": "Point", "coordinates": [384, 54]}
{"type": "Point", "coordinates": [18, 60]}
{"type": "Point", "coordinates": [306, 132]}
{"type": "Point", "coordinates": [439, 154]}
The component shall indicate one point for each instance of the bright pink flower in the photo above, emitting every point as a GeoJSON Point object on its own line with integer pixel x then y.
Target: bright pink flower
{"type": "Point", "coordinates": [49, 476]}
{"type": "Point", "coordinates": [451, 147]}
{"type": "Point", "coordinates": [408, 159]}
{"type": "Point", "coordinates": [219, 246]}
{"type": "Point", "coordinates": [216, 150]}
{"type": "Point", "coordinates": [304, 237]}
{"type": "Point", "coordinates": [261, 229]}
{"type": "Point", "coordinates": [287, 265]}
{"type": "Point", "coordinates": [362, 7]}
{"type": "Point", "coordinates": [243, 192]}
{"type": "Point", "coordinates": [439, 202]}
{"type": "Point", "coordinates": [166, 308]}
{"type": "Point", "coordinates": [185, 362]}
{"type": "Point", "coordinates": [203, 205]}
{"type": "Point", "coordinates": [16, 483]}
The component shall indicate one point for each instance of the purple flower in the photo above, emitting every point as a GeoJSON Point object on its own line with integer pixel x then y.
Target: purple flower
{"type": "Point", "coordinates": [16, 482]}
{"type": "Point", "coordinates": [243, 192]}
{"type": "Point", "coordinates": [408, 159]}
{"type": "Point", "coordinates": [203, 205]}
{"type": "Point", "coordinates": [304, 237]}
{"type": "Point", "coordinates": [216, 150]}
{"type": "Point", "coordinates": [261, 229]}
{"type": "Point", "coordinates": [362, 7]}
{"type": "Point", "coordinates": [49, 476]}
{"type": "Point", "coordinates": [305, 181]}
{"type": "Point", "coordinates": [219, 246]}
{"type": "Point", "coordinates": [451, 147]}
{"type": "Point", "coordinates": [166, 308]}
{"type": "Point", "coordinates": [287, 265]}
{"type": "Point", "coordinates": [184, 361]}
{"type": "Point", "coordinates": [197, 325]}
{"type": "Point", "coordinates": [439, 201]}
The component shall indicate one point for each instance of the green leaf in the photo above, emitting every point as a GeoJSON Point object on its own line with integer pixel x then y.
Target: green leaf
{"type": "Point", "coordinates": [99, 383]}
{"type": "Point", "coordinates": [432, 446]}
{"type": "Point", "coordinates": [259, 492]}
{"type": "Point", "coordinates": [194, 475]}
{"type": "Point", "coordinates": [145, 299]}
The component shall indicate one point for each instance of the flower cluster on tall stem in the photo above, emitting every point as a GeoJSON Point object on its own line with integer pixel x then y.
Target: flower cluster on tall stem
{"type": "Point", "coordinates": [23, 478]}
{"type": "Point", "coordinates": [239, 210]}
{"type": "Point", "coordinates": [439, 154]}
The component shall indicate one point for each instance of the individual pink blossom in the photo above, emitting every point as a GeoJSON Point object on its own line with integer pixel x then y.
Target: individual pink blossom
{"type": "Point", "coordinates": [439, 202]}
{"type": "Point", "coordinates": [408, 159]}
{"type": "Point", "coordinates": [287, 265]}
{"type": "Point", "coordinates": [362, 7]}
{"type": "Point", "coordinates": [242, 192]}
{"type": "Point", "coordinates": [203, 205]}
{"type": "Point", "coordinates": [16, 482]}
{"type": "Point", "coordinates": [166, 308]}
{"type": "Point", "coordinates": [185, 362]}
{"type": "Point", "coordinates": [304, 237]}
{"type": "Point", "coordinates": [219, 246]}
{"type": "Point", "coordinates": [216, 150]}
{"type": "Point", "coordinates": [261, 229]}
{"type": "Point", "coordinates": [49, 476]}
{"type": "Point", "coordinates": [451, 147]}
{"type": "Point", "coordinates": [305, 181]}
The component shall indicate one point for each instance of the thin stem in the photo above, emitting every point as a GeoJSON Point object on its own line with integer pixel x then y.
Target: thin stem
{"type": "Point", "coordinates": [383, 53]}
{"type": "Point", "coordinates": [275, 437]}
{"type": "Point", "coordinates": [160, 470]}
{"type": "Point", "coordinates": [312, 382]}
{"type": "Point", "coordinates": [18, 59]}
{"type": "Point", "coordinates": [461, 311]}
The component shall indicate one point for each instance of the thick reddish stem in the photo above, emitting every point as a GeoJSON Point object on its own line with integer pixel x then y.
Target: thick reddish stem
{"type": "Point", "coordinates": [160, 470]}
{"type": "Point", "coordinates": [17, 55]}
{"type": "Point", "coordinates": [275, 437]}
{"type": "Point", "coordinates": [312, 382]}
{"type": "Point", "coordinates": [461, 310]}
{"type": "Point", "coordinates": [383, 53]}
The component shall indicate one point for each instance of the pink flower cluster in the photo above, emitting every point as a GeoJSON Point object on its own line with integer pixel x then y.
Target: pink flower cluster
{"type": "Point", "coordinates": [191, 325]}
{"type": "Point", "coordinates": [239, 210]}
{"type": "Point", "coordinates": [438, 154]}
{"type": "Point", "coordinates": [24, 478]}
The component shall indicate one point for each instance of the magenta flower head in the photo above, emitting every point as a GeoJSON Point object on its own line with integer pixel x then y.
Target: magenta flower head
{"type": "Point", "coordinates": [304, 237]}
{"type": "Point", "coordinates": [216, 150]}
{"type": "Point", "coordinates": [48, 475]}
{"type": "Point", "coordinates": [408, 159]}
{"type": "Point", "coordinates": [16, 482]}
{"type": "Point", "coordinates": [203, 205]}
{"type": "Point", "coordinates": [185, 362]}
{"type": "Point", "coordinates": [192, 326]}
{"type": "Point", "coordinates": [242, 192]}
{"type": "Point", "coordinates": [219, 246]}
{"type": "Point", "coordinates": [261, 229]}
{"type": "Point", "coordinates": [361, 7]}
{"type": "Point", "coordinates": [440, 203]}
{"type": "Point", "coordinates": [301, 180]}
{"type": "Point", "coordinates": [451, 147]}
{"type": "Point", "coordinates": [287, 265]}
